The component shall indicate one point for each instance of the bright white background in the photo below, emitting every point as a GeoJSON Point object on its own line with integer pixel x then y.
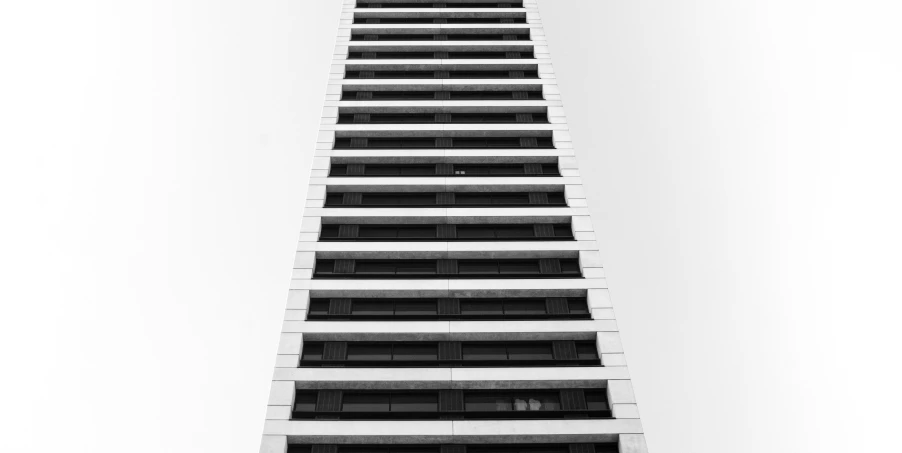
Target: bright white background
{"type": "Point", "coordinates": [742, 158]}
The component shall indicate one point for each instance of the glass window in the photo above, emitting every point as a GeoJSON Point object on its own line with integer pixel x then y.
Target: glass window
{"type": "Point", "coordinates": [563, 230]}
{"type": "Point", "coordinates": [524, 307]}
{"type": "Point", "coordinates": [329, 231]}
{"type": "Point", "coordinates": [313, 351]}
{"type": "Point", "coordinates": [482, 402]}
{"type": "Point", "coordinates": [416, 402]}
{"type": "Point", "coordinates": [475, 232]}
{"type": "Point", "coordinates": [570, 267]}
{"type": "Point", "coordinates": [324, 266]}
{"type": "Point", "coordinates": [473, 198]}
{"type": "Point", "coordinates": [415, 352]}
{"type": "Point", "coordinates": [377, 232]}
{"type": "Point", "coordinates": [416, 267]}
{"type": "Point", "coordinates": [417, 232]}
{"type": "Point", "coordinates": [515, 231]}
{"type": "Point", "coordinates": [365, 402]}
{"type": "Point", "coordinates": [510, 198]}
{"type": "Point", "coordinates": [305, 402]}
{"type": "Point", "coordinates": [483, 352]}
{"type": "Point", "coordinates": [477, 267]}
{"type": "Point", "coordinates": [541, 401]}
{"type": "Point", "coordinates": [334, 199]}
{"type": "Point", "coordinates": [578, 307]}
{"type": "Point", "coordinates": [535, 351]}
{"type": "Point", "coordinates": [586, 351]}
{"type": "Point", "coordinates": [374, 267]}
{"type": "Point", "coordinates": [519, 267]}
{"type": "Point", "coordinates": [481, 307]}
{"type": "Point", "coordinates": [597, 400]}
{"type": "Point", "coordinates": [319, 307]}
{"type": "Point", "coordinates": [416, 307]}
{"type": "Point", "coordinates": [418, 170]}
{"type": "Point", "coordinates": [365, 307]}
{"type": "Point", "coordinates": [369, 351]}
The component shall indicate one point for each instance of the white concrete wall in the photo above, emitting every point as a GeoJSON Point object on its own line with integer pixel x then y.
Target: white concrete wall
{"type": "Point", "coordinates": [613, 375]}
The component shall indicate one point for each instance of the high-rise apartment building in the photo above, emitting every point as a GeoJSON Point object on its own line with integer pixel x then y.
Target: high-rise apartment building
{"type": "Point", "coordinates": [448, 294]}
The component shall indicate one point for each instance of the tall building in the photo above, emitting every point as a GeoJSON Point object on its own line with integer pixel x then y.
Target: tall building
{"type": "Point", "coordinates": [448, 294]}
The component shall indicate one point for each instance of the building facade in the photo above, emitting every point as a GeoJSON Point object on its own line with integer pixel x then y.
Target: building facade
{"type": "Point", "coordinates": [447, 294]}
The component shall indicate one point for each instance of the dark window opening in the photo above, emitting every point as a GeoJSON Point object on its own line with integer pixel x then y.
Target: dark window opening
{"type": "Point", "coordinates": [467, 308]}
{"type": "Point", "coordinates": [475, 199]}
{"type": "Point", "coordinates": [511, 268]}
{"type": "Point", "coordinates": [447, 5]}
{"type": "Point", "coordinates": [449, 20]}
{"type": "Point", "coordinates": [396, 170]}
{"type": "Point", "coordinates": [431, 118]}
{"type": "Point", "coordinates": [610, 447]}
{"type": "Point", "coordinates": [476, 55]}
{"type": "Point", "coordinates": [476, 404]}
{"type": "Point", "coordinates": [433, 95]}
{"type": "Point", "coordinates": [485, 74]}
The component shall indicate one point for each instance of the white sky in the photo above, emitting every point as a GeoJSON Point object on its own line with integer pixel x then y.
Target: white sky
{"type": "Point", "coordinates": [742, 159]}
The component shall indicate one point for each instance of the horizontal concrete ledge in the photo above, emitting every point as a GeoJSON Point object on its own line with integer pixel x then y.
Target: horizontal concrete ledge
{"type": "Point", "coordinates": [446, 330]}
{"type": "Point", "coordinates": [461, 286]}
{"type": "Point", "coordinates": [322, 431]}
{"type": "Point", "coordinates": [440, 107]}
{"type": "Point", "coordinates": [446, 130]}
{"type": "Point", "coordinates": [452, 184]}
{"type": "Point", "coordinates": [442, 212]}
{"type": "Point", "coordinates": [444, 152]}
{"type": "Point", "coordinates": [470, 378]}
{"type": "Point", "coordinates": [546, 249]}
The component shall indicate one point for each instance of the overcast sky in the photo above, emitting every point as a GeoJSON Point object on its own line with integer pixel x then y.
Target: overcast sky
{"type": "Point", "coordinates": [742, 160]}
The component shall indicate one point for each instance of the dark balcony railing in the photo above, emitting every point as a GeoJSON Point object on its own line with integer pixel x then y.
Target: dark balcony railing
{"type": "Point", "coordinates": [454, 354]}
{"type": "Point", "coordinates": [467, 5]}
{"type": "Point", "coordinates": [448, 268]}
{"type": "Point", "coordinates": [437, 118]}
{"type": "Point", "coordinates": [459, 448]}
{"type": "Point", "coordinates": [440, 20]}
{"type": "Point", "coordinates": [450, 404]}
{"type": "Point", "coordinates": [441, 95]}
{"type": "Point", "coordinates": [452, 74]}
{"type": "Point", "coordinates": [399, 170]}
{"type": "Point", "coordinates": [477, 309]}
{"type": "Point", "coordinates": [446, 232]}
{"type": "Point", "coordinates": [445, 55]}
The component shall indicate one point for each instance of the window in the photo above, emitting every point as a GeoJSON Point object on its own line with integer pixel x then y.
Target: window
{"type": "Point", "coordinates": [513, 268]}
{"type": "Point", "coordinates": [465, 232]}
{"type": "Point", "coordinates": [369, 351]}
{"type": "Point", "coordinates": [423, 404]}
{"type": "Point", "coordinates": [586, 351]}
{"type": "Point", "coordinates": [305, 402]}
{"type": "Point", "coordinates": [318, 307]}
{"type": "Point", "coordinates": [472, 354]}
{"type": "Point", "coordinates": [429, 199]}
{"type": "Point", "coordinates": [597, 401]}
{"type": "Point", "coordinates": [488, 402]}
{"type": "Point", "coordinates": [463, 308]}
{"type": "Point", "coordinates": [313, 351]}
{"type": "Point", "coordinates": [484, 352]}
{"type": "Point", "coordinates": [366, 402]}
